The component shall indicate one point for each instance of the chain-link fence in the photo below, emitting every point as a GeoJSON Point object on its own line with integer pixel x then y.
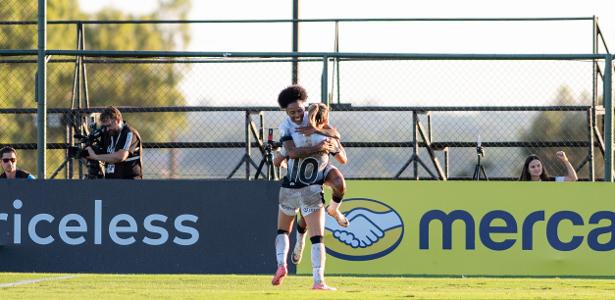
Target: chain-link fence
{"type": "Point", "coordinates": [401, 116]}
{"type": "Point", "coordinates": [17, 31]}
{"type": "Point", "coordinates": [192, 112]}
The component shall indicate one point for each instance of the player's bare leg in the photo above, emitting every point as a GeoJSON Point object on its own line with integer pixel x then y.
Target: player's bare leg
{"type": "Point", "coordinates": [316, 226]}
{"type": "Point", "coordinates": [336, 181]}
{"type": "Point", "coordinates": [297, 254]}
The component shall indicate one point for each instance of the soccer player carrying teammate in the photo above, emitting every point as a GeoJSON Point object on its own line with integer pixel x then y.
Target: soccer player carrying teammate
{"type": "Point", "coordinates": [308, 165]}
{"type": "Point", "coordinates": [318, 116]}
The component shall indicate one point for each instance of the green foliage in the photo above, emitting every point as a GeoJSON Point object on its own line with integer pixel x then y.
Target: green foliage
{"type": "Point", "coordinates": [109, 83]}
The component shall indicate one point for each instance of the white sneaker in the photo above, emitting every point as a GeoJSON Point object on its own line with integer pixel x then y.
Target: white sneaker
{"type": "Point", "coordinates": [295, 258]}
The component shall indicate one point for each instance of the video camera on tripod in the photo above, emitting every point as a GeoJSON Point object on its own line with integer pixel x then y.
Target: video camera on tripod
{"type": "Point", "coordinates": [271, 144]}
{"type": "Point", "coordinates": [267, 160]}
{"type": "Point", "coordinates": [92, 139]}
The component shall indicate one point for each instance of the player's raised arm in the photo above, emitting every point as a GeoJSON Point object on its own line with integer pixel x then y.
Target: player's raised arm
{"type": "Point", "coordinates": [340, 152]}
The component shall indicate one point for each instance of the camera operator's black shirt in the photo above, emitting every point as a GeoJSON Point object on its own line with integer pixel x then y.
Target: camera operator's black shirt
{"type": "Point", "coordinates": [129, 140]}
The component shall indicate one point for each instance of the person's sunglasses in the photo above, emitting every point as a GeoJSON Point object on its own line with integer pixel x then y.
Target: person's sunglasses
{"type": "Point", "coordinates": [8, 159]}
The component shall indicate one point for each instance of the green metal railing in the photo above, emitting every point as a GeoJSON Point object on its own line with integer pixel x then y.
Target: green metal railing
{"type": "Point", "coordinates": [601, 72]}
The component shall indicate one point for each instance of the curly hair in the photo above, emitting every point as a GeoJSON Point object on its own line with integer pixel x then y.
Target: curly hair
{"type": "Point", "coordinates": [525, 173]}
{"type": "Point", "coordinates": [291, 94]}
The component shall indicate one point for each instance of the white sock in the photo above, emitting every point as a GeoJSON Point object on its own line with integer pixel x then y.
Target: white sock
{"type": "Point", "coordinates": [281, 248]}
{"type": "Point", "coordinates": [318, 262]}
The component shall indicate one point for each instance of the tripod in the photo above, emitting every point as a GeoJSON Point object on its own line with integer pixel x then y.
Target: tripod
{"type": "Point", "coordinates": [267, 160]}
{"type": "Point", "coordinates": [55, 173]}
{"type": "Point", "coordinates": [479, 170]}
{"type": "Point", "coordinates": [94, 168]}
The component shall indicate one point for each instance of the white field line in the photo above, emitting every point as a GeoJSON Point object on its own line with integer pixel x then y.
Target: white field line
{"type": "Point", "coordinates": [31, 281]}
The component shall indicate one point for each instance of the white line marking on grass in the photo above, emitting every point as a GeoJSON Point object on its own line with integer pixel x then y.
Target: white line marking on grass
{"type": "Point", "coordinates": [30, 281]}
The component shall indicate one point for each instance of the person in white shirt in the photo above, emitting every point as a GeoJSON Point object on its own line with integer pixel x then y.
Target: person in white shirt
{"type": "Point", "coordinates": [318, 116]}
{"type": "Point", "coordinates": [302, 187]}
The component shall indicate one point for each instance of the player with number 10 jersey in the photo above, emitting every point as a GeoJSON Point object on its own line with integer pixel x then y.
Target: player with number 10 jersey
{"type": "Point", "coordinates": [305, 171]}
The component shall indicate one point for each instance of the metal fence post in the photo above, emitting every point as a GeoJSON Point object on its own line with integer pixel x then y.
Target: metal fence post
{"type": "Point", "coordinates": [248, 144]}
{"type": "Point", "coordinates": [324, 89]}
{"type": "Point", "coordinates": [608, 118]}
{"type": "Point", "coordinates": [295, 60]}
{"type": "Point", "coordinates": [590, 137]}
{"type": "Point", "coordinates": [41, 82]}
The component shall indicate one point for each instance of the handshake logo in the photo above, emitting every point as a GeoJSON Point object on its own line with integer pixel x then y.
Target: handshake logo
{"type": "Point", "coordinates": [375, 230]}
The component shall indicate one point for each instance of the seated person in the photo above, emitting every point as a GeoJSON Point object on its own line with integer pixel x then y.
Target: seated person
{"type": "Point", "coordinates": [534, 169]}
{"type": "Point", "coordinates": [9, 164]}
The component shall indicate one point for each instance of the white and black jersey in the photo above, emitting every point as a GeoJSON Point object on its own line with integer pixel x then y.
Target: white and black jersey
{"type": "Point", "coordinates": [128, 139]}
{"type": "Point", "coordinates": [305, 171]}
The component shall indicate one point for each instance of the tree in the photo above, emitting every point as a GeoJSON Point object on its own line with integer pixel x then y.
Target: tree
{"type": "Point", "coordinates": [557, 126]}
{"type": "Point", "coordinates": [132, 84]}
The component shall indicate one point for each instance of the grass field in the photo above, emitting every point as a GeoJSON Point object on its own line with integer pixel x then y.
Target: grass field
{"type": "Point", "coordinates": [90, 286]}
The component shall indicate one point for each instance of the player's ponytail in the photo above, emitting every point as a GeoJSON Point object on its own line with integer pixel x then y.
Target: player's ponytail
{"type": "Point", "coordinates": [317, 114]}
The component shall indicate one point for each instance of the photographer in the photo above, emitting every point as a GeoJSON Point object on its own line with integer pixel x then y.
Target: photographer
{"type": "Point", "coordinates": [122, 146]}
